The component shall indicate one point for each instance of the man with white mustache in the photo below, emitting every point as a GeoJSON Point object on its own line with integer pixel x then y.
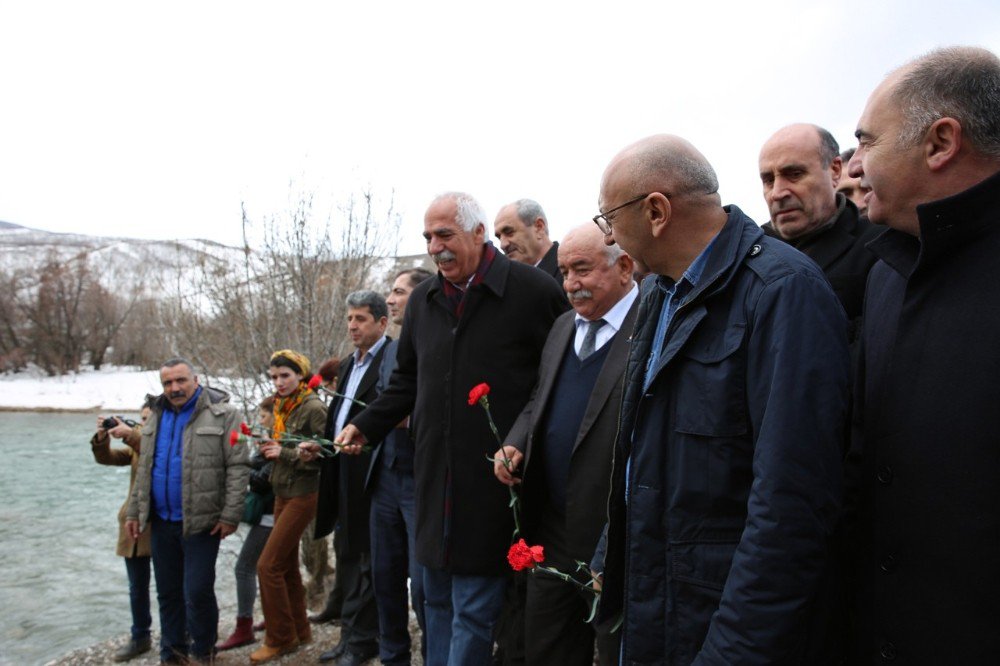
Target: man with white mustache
{"type": "Point", "coordinates": [565, 439]}
{"type": "Point", "coordinates": [483, 318]}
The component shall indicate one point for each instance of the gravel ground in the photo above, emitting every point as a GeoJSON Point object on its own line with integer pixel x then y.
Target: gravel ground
{"type": "Point", "coordinates": [325, 636]}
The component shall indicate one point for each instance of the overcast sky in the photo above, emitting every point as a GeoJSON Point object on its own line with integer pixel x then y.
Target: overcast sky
{"type": "Point", "coordinates": [158, 120]}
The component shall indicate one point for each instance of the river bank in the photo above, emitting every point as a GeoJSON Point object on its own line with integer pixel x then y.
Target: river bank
{"type": "Point", "coordinates": [111, 389]}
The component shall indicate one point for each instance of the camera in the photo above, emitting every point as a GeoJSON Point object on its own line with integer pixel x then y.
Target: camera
{"type": "Point", "coordinates": [110, 422]}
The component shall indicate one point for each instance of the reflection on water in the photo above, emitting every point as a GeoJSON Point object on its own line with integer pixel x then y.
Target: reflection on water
{"type": "Point", "coordinates": [61, 585]}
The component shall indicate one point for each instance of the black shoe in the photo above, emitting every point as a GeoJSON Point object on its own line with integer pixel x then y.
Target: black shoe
{"type": "Point", "coordinates": [351, 658]}
{"type": "Point", "coordinates": [324, 616]}
{"type": "Point", "coordinates": [335, 653]}
{"type": "Point", "coordinates": [133, 649]}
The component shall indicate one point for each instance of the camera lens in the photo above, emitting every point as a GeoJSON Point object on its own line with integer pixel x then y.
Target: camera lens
{"type": "Point", "coordinates": [109, 423]}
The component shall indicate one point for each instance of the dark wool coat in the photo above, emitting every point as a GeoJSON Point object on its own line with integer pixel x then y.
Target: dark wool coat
{"type": "Point", "coordinates": [550, 263]}
{"type": "Point", "coordinates": [927, 417]}
{"type": "Point", "coordinates": [463, 522]}
{"type": "Point", "coordinates": [840, 251]}
{"type": "Point", "coordinates": [342, 495]}
{"type": "Point", "coordinates": [733, 461]}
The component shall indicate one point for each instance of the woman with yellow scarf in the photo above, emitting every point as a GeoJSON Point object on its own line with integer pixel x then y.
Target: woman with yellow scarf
{"type": "Point", "coordinates": [297, 411]}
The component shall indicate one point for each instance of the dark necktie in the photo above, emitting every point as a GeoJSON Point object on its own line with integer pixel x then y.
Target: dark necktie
{"type": "Point", "coordinates": [590, 338]}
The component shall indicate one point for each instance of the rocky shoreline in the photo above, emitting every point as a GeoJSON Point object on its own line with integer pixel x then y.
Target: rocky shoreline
{"type": "Point", "coordinates": [325, 636]}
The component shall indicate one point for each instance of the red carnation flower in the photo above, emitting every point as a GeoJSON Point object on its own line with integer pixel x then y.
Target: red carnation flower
{"type": "Point", "coordinates": [234, 438]}
{"type": "Point", "coordinates": [245, 429]}
{"type": "Point", "coordinates": [522, 556]}
{"type": "Point", "coordinates": [315, 382]}
{"type": "Point", "coordinates": [478, 392]}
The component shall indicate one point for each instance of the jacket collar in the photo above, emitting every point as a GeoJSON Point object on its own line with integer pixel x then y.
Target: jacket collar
{"type": "Point", "coordinates": [495, 278]}
{"type": "Point", "coordinates": [738, 237]}
{"type": "Point", "coordinates": [945, 225]}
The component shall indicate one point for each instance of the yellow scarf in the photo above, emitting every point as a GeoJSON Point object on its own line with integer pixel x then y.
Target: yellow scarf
{"type": "Point", "coordinates": [283, 408]}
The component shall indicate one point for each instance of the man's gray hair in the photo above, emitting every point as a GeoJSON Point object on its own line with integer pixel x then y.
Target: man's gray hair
{"type": "Point", "coordinates": [612, 252]}
{"type": "Point", "coordinates": [174, 361]}
{"type": "Point", "coordinates": [829, 149]}
{"type": "Point", "coordinates": [960, 82]}
{"type": "Point", "coordinates": [529, 210]}
{"type": "Point", "coordinates": [370, 299]}
{"type": "Point", "coordinates": [470, 213]}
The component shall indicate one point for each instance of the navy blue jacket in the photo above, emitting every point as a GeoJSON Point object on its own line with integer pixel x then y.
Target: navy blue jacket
{"type": "Point", "coordinates": [736, 450]}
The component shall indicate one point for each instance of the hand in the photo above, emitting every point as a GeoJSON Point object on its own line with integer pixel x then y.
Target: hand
{"type": "Point", "coordinates": [350, 440]}
{"type": "Point", "coordinates": [270, 450]}
{"type": "Point", "coordinates": [102, 434]}
{"type": "Point", "coordinates": [308, 451]}
{"type": "Point", "coordinates": [598, 580]}
{"type": "Point", "coordinates": [120, 431]}
{"type": "Point", "coordinates": [132, 529]}
{"type": "Point", "coordinates": [223, 529]}
{"type": "Point", "coordinates": [504, 469]}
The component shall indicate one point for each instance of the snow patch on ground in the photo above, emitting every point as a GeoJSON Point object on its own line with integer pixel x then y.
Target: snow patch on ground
{"type": "Point", "coordinates": [117, 389]}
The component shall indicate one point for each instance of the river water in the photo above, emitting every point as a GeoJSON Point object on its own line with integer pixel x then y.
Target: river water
{"type": "Point", "coordinates": [61, 585]}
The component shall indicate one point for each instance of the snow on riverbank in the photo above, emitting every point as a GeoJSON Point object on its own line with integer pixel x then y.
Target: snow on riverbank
{"type": "Point", "coordinates": [117, 389]}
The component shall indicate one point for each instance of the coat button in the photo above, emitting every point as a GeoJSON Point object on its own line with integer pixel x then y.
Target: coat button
{"type": "Point", "coordinates": [888, 564]}
{"type": "Point", "coordinates": [884, 475]}
{"type": "Point", "coordinates": [887, 651]}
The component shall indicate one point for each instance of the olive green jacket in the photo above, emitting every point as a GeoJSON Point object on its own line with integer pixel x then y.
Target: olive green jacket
{"type": "Point", "coordinates": [291, 476]}
{"type": "Point", "coordinates": [214, 472]}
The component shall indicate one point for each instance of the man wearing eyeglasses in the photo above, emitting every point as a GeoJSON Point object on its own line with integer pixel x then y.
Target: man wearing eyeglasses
{"type": "Point", "coordinates": [727, 469]}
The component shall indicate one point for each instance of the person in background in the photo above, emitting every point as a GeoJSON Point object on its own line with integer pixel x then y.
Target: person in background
{"type": "Point", "coordinates": [295, 482]}
{"type": "Point", "coordinates": [136, 552]}
{"type": "Point", "coordinates": [799, 171]}
{"type": "Point", "coordinates": [393, 504]}
{"type": "Point", "coordinates": [335, 598]}
{"type": "Point", "coordinates": [850, 186]}
{"type": "Point", "coordinates": [523, 232]}
{"type": "Point", "coordinates": [189, 490]}
{"type": "Point", "coordinates": [253, 544]}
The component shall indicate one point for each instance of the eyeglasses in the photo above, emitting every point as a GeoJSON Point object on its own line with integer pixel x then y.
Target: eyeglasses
{"type": "Point", "coordinates": [603, 220]}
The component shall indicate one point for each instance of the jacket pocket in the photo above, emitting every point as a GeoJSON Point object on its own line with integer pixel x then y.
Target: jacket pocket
{"type": "Point", "coordinates": [699, 572]}
{"type": "Point", "coordinates": [711, 387]}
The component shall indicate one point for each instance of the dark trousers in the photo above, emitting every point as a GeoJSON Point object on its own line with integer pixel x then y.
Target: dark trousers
{"type": "Point", "coordinates": [359, 615]}
{"type": "Point", "coordinates": [138, 595]}
{"type": "Point", "coordinates": [393, 540]}
{"type": "Point", "coordinates": [184, 568]}
{"type": "Point", "coordinates": [556, 612]}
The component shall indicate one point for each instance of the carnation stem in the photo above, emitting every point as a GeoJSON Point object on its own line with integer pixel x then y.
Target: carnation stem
{"type": "Point", "coordinates": [515, 505]}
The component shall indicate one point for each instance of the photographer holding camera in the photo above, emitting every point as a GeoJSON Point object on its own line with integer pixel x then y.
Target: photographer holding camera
{"type": "Point", "coordinates": [135, 551]}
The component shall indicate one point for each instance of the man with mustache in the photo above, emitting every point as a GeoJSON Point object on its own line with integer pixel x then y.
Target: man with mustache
{"type": "Point", "coordinates": [523, 232]}
{"type": "Point", "coordinates": [189, 489]}
{"type": "Point", "coordinates": [800, 168]}
{"type": "Point", "coordinates": [564, 439]}
{"type": "Point", "coordinates": [484, 318]}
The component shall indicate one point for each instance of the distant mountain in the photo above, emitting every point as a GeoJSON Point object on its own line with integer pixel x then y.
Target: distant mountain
{"type": "Point", "coordinates": [155, 266]}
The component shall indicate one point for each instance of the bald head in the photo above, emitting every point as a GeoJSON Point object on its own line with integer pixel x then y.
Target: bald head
{"type": "Point", "coordinates": [595, 276]}
{"type": "Point", "coordinates": [799, 169]}
{"type": "Point", "coordinates": [665, 162]}
{"type": "Point", "coordinates": [660, 196]}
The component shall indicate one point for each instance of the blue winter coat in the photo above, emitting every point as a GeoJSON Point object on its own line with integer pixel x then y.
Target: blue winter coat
{"type": "Point", "coordinates": [736, 449]}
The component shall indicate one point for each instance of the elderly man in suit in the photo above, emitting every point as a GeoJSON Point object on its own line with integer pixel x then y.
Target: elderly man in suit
{"type": "Point", "coordinates": [523, 232]}
{"type": "Point", "coordinates": [564, 438]}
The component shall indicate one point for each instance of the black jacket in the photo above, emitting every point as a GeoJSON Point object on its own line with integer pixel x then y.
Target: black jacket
{"type": "Point", "coordinates": [550, 263]}
{"type": "Point", "coordinates": [928, 428]}
{"type": "Point", "coordinates": [342, 496]}
{"type": "Point", "coordinates": [498, 340]}
{"type": "Point", "coordinates": [840, 251]}
{"type": "Point", "coordinates": [732, 462]}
